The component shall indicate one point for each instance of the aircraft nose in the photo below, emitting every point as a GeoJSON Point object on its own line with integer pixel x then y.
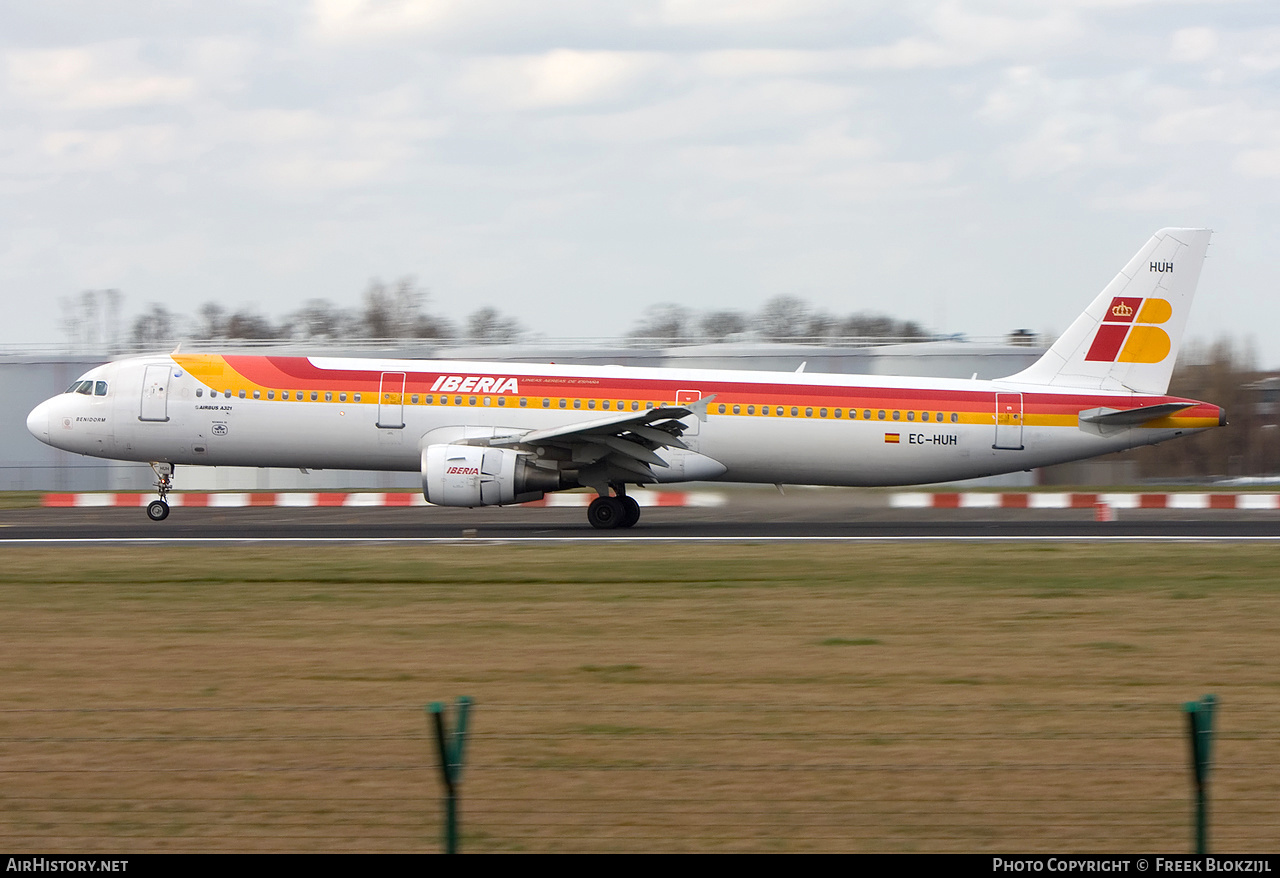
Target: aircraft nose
{"type": "Point", "coordinates": [38, 422]}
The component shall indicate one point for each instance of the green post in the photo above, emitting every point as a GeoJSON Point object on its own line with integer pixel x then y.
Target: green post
{"type": "Point", "coordinates": [1200, 725]}
{"type": "Point", "coordinates": [452, 748]}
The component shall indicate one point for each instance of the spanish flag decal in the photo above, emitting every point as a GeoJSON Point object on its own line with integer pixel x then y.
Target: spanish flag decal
{"type": "Point", "coordinates": [891, 438]}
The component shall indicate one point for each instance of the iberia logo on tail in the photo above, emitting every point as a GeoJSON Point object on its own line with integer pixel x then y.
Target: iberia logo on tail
{"type": "Point", "coordinates": [1130, 332]}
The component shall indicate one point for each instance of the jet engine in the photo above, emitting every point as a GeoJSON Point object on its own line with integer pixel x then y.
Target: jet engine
{"type": "Point", "coordinates": [475, 475]}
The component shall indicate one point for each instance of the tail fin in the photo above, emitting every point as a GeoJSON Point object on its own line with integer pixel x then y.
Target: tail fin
{"type": "Point", "coordinates": [1128, 338]}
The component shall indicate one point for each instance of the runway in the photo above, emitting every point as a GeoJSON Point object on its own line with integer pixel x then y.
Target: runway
{"type": "Point", "coordinates": [822, 517]}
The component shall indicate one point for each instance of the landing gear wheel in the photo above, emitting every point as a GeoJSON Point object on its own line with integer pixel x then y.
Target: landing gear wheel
{"type": "Point", "coordinates": [158, 510]}
{"type": "Point", "coordinates": [630, 512]}
{"type": "Point", "coordinates": [606, 513]}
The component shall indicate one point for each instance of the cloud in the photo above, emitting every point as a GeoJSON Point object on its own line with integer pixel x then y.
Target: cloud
{"type": "Point", "coordinates": [101, 77]}
{"type": "Point", "coordinates": [955, 35]}
{"type": "Point", "coordinates": [372, 19]}
{"type": "Point", "coordinates": [732, 13]}
{"type": "Point", "coordinates": [1192, 45]}
{"type": "Point", "coordinates": [1259, 162]}
{"type": "Point", "coordinates": [561, 78]}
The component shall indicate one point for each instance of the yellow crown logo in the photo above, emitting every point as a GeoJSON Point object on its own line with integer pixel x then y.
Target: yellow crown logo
{"type": "Point", "coordinates": [1122, 310]}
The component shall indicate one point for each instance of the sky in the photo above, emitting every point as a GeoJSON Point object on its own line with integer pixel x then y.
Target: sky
{"type": "Point", "coordinates": [977, 166]}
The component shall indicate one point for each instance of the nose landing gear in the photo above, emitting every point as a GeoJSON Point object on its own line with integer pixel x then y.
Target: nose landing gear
{"type": "Point", "coordinates": [158, 510]}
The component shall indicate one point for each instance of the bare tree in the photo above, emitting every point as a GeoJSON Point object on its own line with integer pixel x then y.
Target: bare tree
{"type": "Point", "coordinates": [213, 321]}
{"type": "Point", "coordinates": [784, 318]}
{"type": "Point", "coordinates": [247, 324]}
{"type": "Point", "coordinates": [91, 320]}
{"type": "Point", "coordinates": [666, 322]}
{"type": "Point", "coordinates": [320, 318]}
{"type": "Point", "coordinates": [154, 328]}
{"type": "Point", "coordinates": [719, 325]}
{"type": "Point", "coordinates": [397, 312]}
{"type": "Point", "coordinates": [865, 325]}
{"type": "Point", "coordinates": [487, 324]}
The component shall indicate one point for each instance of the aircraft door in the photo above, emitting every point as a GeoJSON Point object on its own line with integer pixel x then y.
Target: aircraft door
{"type": "Point", "coordinates": [1009, 421]}
{"type": "Point", "coordinates": [693, 423]}
{"type": "Point", "coordinates": [155, 394]}
{"type": "Point", "coordinates": [391, 401]}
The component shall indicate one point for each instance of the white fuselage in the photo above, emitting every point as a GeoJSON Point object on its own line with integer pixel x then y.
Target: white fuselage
{"type": "Point", "coordinates": [819, 429]}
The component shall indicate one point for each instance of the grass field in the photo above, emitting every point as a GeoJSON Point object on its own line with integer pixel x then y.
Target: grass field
{"type": "Point", "coordinates": [875, 697]}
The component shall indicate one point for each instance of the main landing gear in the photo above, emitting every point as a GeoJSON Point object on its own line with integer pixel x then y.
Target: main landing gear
{"type": "Point", "coordinates": [606, 513]}
{"type": "Point", "coordinates": [158, 510]}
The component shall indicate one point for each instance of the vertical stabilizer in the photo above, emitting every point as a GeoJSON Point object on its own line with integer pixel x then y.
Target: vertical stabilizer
{"type": "Point", "coordinates": [1128, 339]}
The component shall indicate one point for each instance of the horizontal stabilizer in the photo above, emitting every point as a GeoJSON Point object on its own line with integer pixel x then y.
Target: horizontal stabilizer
{"type": "Point", "coordinates": [1106, 417]}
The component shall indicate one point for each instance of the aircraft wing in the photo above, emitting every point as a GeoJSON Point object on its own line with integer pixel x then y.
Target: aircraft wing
{"type": "Point", "coordinates": [615, 448]}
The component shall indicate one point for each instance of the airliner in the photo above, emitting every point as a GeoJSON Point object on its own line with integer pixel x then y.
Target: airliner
{"type": "Point", "coordinates": [493, 434]}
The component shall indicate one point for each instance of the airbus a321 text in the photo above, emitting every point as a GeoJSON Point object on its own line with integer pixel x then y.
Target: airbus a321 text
{"type": "Point", "coordinates": [486, 434]}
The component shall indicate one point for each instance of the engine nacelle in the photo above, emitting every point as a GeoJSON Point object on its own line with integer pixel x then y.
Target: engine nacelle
{"type": "Point", "coordinates": [474, 475]}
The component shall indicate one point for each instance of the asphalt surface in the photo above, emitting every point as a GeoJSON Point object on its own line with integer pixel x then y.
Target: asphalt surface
{"type": "Point", "coordinates": [762, 517]}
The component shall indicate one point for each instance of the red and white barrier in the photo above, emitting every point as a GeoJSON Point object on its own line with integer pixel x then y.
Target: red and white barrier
{"type": "Point", "coordinates": [1034, 500]}
{"type": "Point", "coordinates": [348, 499]}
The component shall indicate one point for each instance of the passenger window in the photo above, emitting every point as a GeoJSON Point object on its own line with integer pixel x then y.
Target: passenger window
{"type": "Point", "coordinates": [737, 409]}
{"type": "Point", "coordinates": [577, 403]}
{"type": "Point", "coordinates": [562, 403]}
{"type": "Point", "coordinates": [808, 413]}
{"type": "Point", "coordinates": [621, 405]}
{"type": "Point", "coordinates": [546, 403]}
{"type": "Point", "coordinates": [751, 410]}
{"type": "Point", "coordinates": [257, 394]}
{"type": "Point", "coordinates": [488, 400]}
{"type": "Point", "coordinates": [591, 404]}
{"type": "Point", "coordinates": [356, 398]}
{"type": "Point", "coordinates": [778, 411]}
{"type": "Point", "coordinates": [939, 417]}
{"type": "Point", "coordinates": [911, 416]}
{"type": "Point", "coordinates": [271, 394]}
{"type": "Point", "coordinates": [881, 416]}
{"type": "Point", "coordinates": [199, 392]}
{"type": "Point", "coordinates": [897, 415]}
{"type": "Point", "coordinates": [314, 396]}
{"type": "Point", "coordinates": [328, 396]}
{"type": "Point", "coordinates": [605, 405]}
{"type": "Point", "coordinates": [954, 417]}
{"type": "Point", "coordinates": [523, 402]}
{"type": "Point", "coordinates": [635, 405]}
{"type": "Point", "coordinates": [837, 413]}
{"type": "Point", "coordinates": [444, 400]}
{"type": "Point", "coordinates": [457, 400]}
{"type": "Point", "coordinates": [866, 414]}
{"type": "Point", "coordinates": [822, 413]}
{"type": "Point", "coordinates": [471, 400]}
{"type": "Point", "coordinates": [502, 402]}
{"type": "Point", "coordinates": [241, 394]}
{"type": "Point", "coordinates": [924, 416]}
{"type": "Point", "coordinates": [413, 399]}
{"type": "Point", "coordinates": [794, 411]}
{"type": "Point", "coordinates": [722, 408]}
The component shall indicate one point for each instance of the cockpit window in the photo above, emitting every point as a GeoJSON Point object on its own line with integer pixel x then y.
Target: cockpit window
{"type": "Point", "coordinates": [85, 387]}
{"type": "Point", "coordinates": [100, 388]}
